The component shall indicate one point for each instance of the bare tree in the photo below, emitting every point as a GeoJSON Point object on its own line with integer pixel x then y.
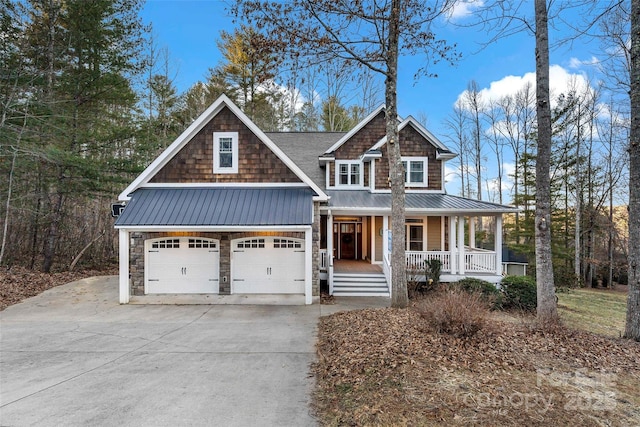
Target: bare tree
{"type": "Point", "coordinates": [457, 125]}
{"type": "Point", "coordinates": [494, 119]}
{"type": "Point", "coordinates": [547, 309]}
{"type": "Point", "coordinates": [372, 34]}
{"type": "Point", "coordinates": [632, 328]}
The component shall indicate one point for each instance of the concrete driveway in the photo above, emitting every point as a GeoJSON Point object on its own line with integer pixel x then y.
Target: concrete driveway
{"type": "Point", "coordinates": [74, 356]}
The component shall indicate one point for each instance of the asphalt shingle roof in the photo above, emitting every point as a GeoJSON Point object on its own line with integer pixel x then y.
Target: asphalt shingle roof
{"type": "Point", "coordinates": [303, 148]}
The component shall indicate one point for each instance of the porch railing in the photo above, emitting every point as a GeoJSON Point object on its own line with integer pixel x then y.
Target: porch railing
{"type": "Point", "coordinates": [323, 259]}
{"type": "Point", "coordinates": [480, 262]}
{"type": "Point", "coordinates": [386, 269]}
{"type": "Point", "coordinates": [416, 259]}
{"type": "Point", "coordinates": [475, 261]}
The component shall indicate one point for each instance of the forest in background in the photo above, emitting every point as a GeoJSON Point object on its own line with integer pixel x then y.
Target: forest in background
{"type": "Point", "coordinates": [88, 100]}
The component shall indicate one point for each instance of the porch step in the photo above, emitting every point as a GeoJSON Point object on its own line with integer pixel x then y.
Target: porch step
{"type": "Point", "coordinates": [360, 285]}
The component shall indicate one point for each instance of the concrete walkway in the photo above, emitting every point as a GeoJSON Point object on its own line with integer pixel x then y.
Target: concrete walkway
{"type": "Point", "coordinates": [73, 356]}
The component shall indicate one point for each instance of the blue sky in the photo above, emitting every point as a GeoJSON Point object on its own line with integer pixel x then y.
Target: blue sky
{"type": "Point", "coordinates": [190, 28]}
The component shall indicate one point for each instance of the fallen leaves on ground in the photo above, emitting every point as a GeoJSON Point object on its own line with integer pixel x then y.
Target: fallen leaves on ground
{"type": "Point", "coordinates": [386, 367]}
{"type": "Point", "coordinates": [18, 283]}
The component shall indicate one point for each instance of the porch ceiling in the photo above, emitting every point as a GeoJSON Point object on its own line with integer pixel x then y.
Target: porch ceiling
{"type": "Point", "coordinates": [428, 203]}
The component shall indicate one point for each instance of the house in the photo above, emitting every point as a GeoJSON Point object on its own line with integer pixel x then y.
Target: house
{"type": "Point", "coordinates": [229, 209]}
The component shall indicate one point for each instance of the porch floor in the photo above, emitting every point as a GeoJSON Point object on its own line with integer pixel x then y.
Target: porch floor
{"type": "Point", "coordinates": [355, 266]}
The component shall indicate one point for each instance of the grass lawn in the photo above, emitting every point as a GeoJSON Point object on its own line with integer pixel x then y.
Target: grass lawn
{"type": "Point", "coordinates": [390, 367]}
{"type": "Point", "coordinates": [601, 311]}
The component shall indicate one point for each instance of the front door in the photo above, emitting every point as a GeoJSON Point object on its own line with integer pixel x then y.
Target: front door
{"type": "Point", "coordinates": [347, 240]}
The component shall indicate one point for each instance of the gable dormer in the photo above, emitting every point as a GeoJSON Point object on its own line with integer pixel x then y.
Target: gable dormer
{"type": "Point", "coordinates": [423, 157]}
{"type": "Point", "coordinates": [222, 147]}
{"type": "Point", "coordinates": [359, 159]}
{"type": "Point", "coordinates": [348, 167]}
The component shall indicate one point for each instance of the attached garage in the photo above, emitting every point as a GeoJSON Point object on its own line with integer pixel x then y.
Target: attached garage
{"type": "Point", "coordinates": [218, 240]}
{"type": "Point", "coordinates": [268, 265]}
{"type": "Point", "coordinates": [182, 265]}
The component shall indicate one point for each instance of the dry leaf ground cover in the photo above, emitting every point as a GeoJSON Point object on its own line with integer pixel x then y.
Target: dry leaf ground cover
{"type": "Point", "coordinates": [18, 283]}
{"type": "Point", "coordinates": [388, 367]}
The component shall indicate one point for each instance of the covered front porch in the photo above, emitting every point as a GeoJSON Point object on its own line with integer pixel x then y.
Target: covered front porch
{"type": "Point", "coordinates": [451, 239]}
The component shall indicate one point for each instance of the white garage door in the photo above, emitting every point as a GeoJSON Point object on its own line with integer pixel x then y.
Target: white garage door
{"type": "Point", "coordinates": [268, 265]}
{"type": "Point", "coordinates": [182, 265]}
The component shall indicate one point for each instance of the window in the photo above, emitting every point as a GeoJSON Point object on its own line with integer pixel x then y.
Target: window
{"type": "Point", "coordinates": [348, 173]}
{"type": "Point", "coordinates": [225, 152]}
{"type": "Point", "coordinates": [415, 237]}
{"type": "Point", "coordinates": [166, 244]}
{"type": "Point", "coordinates": [201, 243]}
{"type": "Point", "coordinates": [286, 244]}
{"type": "Point", "coordinates": [415, 171]}
{"type": "Point", "coordinates": [251, 243]}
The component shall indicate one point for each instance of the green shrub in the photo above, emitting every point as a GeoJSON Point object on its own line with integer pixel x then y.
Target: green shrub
{"type": "Point", "coordinates": [455, 312]}
{"type": "Point", "coordinates": [519, 292]}
{"type": "Point", "coordinates": [432, 268]}
{"type": "Point", "coordinates": [488, 290]}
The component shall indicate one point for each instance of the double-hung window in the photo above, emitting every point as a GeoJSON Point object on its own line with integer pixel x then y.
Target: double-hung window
{"type": "Point", "coordinates": [415, 171]}
{"type": "Point", "coordinates": [225, 152]}
{"type": "Point", "coordinates": [348, 173]}
{"type": "Point", "coordinates": [414, 235]}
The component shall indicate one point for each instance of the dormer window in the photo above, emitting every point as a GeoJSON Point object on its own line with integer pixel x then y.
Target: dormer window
{"type": "Point", "coordinates": [348, 173]}
{"type": "Point", "coordinates": [225, 152]}
{"type": "Point", "coordinates": [415, 171]}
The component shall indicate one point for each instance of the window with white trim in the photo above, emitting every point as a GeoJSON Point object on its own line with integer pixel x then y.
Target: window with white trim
{"type": "Point", "coordinates": [415, 171]}
{"type": "Point", "coordinates": [414, 236]}
{"type": "Point", "coordinates": [348, 173]}
{"type": "Point", "coordinates": [225, 152]}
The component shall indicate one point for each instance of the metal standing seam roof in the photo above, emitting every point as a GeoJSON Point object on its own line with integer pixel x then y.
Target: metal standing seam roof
{"type": "Point", "coordinates": [218, 207]}
{"type": "Point", "coordinates": [434, 202]}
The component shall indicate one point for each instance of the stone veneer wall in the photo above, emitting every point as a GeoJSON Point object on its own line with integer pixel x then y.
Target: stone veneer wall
{"type": "Point", "coordinates": [136, 254]}
{"type": "Point", "coordinates": [315, 279]}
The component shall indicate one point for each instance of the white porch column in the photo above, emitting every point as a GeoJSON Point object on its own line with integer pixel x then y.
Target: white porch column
{"type": "Point", "coordinates": [461, 268]}
{"type": "Point", "coordinates": [498, 247]}
{"type": "Point", "coordinates": [123, 247]}
{"type": "Point", "coordinates": [372, 238]}
{"type": "Point", "coordinates": [385, 237]}
{"type": "Point", "coordinates": [472, 232]}
{"type": "Point", "coordinates": [308, 266]}
{"type": "Point", "coordinates": [442, 233]}
{"type": "Point", "coordinates": [452, 244]}
{"type": "Point", "coordinates": [330, 251]}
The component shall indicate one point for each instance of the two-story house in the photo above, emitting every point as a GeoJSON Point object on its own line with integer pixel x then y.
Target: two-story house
{"type": "Point", "coordinates": [228, 209]}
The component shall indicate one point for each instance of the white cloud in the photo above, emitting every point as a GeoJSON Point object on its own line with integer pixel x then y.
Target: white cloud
{"type": "Point", "coordinates": [560, 81]}
{"type": "Point", "coordinates": [575, 63]}
{"type": "Point", "coordinates": [464, 8]}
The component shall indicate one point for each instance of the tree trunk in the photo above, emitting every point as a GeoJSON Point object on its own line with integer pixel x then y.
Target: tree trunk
{"type": "Point", "coordinates": [632, 328]}
{"type": "Point", "coordinates": [53, 234]}
{"type": "Point", "coordinates": [399, 295]}
{"type": "Point", "coordinates": [547, 310]}
{"type": "Point", "coordinates": [8, 206]}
